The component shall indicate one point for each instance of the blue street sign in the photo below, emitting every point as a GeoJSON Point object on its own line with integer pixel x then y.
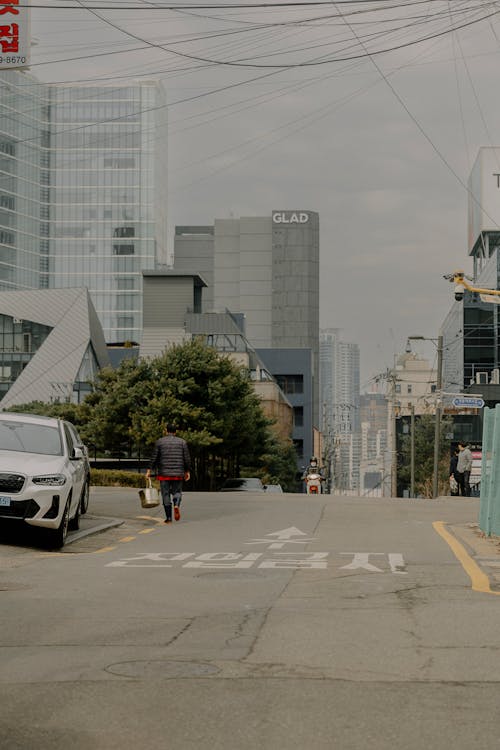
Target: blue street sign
{"type": "Point", "coordinates": [468, 403]}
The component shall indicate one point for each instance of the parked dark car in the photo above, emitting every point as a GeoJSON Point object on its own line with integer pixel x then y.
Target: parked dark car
{"type": "Point", "coordinates": [243, 484]}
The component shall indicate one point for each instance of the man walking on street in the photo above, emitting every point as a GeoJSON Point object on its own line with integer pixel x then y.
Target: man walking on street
{"type": "Point", "coordinates": [172, 464]}
{"type": "Point", "coordinates": [464, 466]}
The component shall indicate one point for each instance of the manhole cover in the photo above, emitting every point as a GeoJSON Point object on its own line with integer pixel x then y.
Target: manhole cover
{"type": "Point", "coordinates": [161, 669]}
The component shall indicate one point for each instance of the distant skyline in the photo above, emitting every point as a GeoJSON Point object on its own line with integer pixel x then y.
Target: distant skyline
{"type": "Point", "coordinates": [380, 145]}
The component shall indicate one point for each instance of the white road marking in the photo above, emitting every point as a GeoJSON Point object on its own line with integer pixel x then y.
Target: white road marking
{"type": "Point", "coordinates": [224, 560]}
{"type": "Point", "coordinates": [360, 560]}
{"type": "Point", "coordinates": [284, 560]}
{"type": "Point", "coordinates": [283, 537]}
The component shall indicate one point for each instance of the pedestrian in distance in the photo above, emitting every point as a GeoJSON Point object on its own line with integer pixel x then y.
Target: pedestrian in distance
{"type": "Point", "coordinates": [171, 463]}
{"type": "Point", "coordinates": [454, 484]}
{"type": "Point", "coordinates": [464, 466]}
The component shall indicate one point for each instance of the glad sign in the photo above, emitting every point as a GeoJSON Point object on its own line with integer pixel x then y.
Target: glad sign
{"type": "Point", "coordinates": [290, 217]}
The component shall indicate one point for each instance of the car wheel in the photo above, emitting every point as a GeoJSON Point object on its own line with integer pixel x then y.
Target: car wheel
{"type": "Point", "coordinates": [57, 537]}
{"type": "Point", "coordinates": [74, 523]}
{"type": "Point", "coordinates": [84, 500]}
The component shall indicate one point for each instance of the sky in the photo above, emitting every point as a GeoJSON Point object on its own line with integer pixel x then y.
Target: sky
{"type": "Point", "coordinates": [370, 113]}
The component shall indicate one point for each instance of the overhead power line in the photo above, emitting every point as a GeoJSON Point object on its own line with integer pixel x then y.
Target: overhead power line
{"type": "Point", "coordinates": [229, 6]}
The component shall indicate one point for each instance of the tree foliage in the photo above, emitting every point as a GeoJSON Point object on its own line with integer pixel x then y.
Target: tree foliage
{"type": "Point", "coordinates": [424, 455]}
{"type": "Point", "coordinates": [208, 397]}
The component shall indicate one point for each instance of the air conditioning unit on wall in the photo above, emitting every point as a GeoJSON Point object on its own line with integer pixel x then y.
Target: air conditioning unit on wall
{"type": "Point", "coordinates": [481, 378]}
{"type": "Point", "coordinates": [495, 377]}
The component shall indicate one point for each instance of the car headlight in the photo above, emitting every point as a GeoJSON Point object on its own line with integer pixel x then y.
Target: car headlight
{"type": "Point", "coordinates": [51, 480]}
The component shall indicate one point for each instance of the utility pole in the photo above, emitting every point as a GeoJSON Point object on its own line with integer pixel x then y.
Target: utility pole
{"type": "Point", "coordinates": [392, 435]}
{"type": "Point", "coordinates": [437, 426]}
{"type": "Point", "coordinates": [412, 450]}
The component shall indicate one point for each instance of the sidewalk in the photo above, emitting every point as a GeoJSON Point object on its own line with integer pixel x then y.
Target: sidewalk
{"type": "Point", "coordinates": [485, 551]}
{"type": "Point", "coordinates": [90, 524]}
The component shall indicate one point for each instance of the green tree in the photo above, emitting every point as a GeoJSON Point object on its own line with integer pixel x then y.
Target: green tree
{"type": "Point", "coordinates": [278, 463]}
{"type": "Point", "coordinates": [209, 398]}
{"type": "Point", "coordinates": [424, 456]}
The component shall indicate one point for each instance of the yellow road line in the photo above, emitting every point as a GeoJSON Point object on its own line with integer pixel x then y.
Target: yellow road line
{"type": "Point", "coordinates": [146, 531]}
{"type": "Point", "coordinates": [52, 554]}
{"type": "Point", "coordinates": [105, 549]}
{"type": "Point", "coordinates": [480, 581]}
{"type": "Point", "coordinates": [150, 518]}
{"type": "Point", "coordinates": [127, 539]}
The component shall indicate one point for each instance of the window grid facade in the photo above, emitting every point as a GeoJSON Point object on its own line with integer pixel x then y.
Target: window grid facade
{"type": "Point", "coordinates": [83, 192]}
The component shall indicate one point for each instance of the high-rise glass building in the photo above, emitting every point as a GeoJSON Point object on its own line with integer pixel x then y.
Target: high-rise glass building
{"type": "Point", "coordinates": [93, 162]}
{"type": "Point", "coordinates": [24, 180]}
{"type": "Point", "coordinates": [340, 401]}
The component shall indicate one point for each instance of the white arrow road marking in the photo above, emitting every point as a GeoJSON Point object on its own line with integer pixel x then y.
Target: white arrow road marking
{"type": "Point", "coordinates": [283, 537]}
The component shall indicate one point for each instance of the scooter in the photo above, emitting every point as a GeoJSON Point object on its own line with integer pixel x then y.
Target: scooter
{"type": "Point", "coordinates": [313, 483]}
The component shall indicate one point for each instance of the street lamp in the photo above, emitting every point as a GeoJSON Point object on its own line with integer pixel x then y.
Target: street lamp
{"type": "Point", "coordinates": [437, 425]}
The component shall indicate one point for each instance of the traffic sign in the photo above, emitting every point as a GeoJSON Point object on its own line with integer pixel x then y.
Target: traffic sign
{"type": "Point", "coordinates": [468, 403]}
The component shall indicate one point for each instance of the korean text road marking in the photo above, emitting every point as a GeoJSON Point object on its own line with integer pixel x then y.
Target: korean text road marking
{"type": "Point", "coordinates": [278, 560]}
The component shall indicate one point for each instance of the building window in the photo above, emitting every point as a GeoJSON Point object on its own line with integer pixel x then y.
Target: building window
{"type": "Point", "coordinates": [125, 282]}
{"type": "Point", "coordinates": [7, 238]}
{"type": "Point", "coordinates": [123, 250]}
{"type": "Point", "coordinates": [7, 201]}
{"type": "Point", "coordinates": [398, 388]}
{"type": "Point", "coordinates": [290, 383]}
{"type": "Point", "coordinates": [124, 232]}
{"type": "Point", "coordinates": [409, 388]}
{"type": "Point", "coordinates": [7, 147]}
{"type": "Point", "coordinates": [298, 416]}
{"type": "Point", "coordinates": [299, 447]}
{"type": "Point", "coordinates": [117, 162]}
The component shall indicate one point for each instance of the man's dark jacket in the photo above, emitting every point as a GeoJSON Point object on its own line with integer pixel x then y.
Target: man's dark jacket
{"type": "Point", "coordinates": [170, 457]}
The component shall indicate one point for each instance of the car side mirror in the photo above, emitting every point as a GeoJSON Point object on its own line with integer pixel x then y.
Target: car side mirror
{"type": "Point", "coordinates": [77, 454]}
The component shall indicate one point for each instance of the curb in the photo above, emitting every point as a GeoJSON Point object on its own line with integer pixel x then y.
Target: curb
{"type": "Point", "coordinates": [108, 523]}
{"type": "Point", "coordinates": [482, 552]}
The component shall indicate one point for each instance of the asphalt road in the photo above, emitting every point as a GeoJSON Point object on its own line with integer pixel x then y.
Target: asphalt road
{"type": "Point", "coordinates": [255, 622]}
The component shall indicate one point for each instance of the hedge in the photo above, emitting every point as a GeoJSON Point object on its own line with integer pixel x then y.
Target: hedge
{"type": "Point", "coordinates": [116, 478]}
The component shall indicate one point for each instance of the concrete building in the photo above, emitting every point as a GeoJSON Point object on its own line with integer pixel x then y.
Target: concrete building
{"type": "Point", "coordinates": [83, 191]}
{"type": "Point", "coordinates": [173, 314]}
{"type": "Point", "coordinates": [266, 270]}
{"type": "Point", "coordinates": [414, 385]}
{"type": "Point", "coordinates": [373, 417]}
{"type": "Point", "coordinates": [292, 370]}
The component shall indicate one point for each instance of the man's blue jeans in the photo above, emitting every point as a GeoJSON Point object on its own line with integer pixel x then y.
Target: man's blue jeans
{"type": "Point", "coordinates": [171, 491]}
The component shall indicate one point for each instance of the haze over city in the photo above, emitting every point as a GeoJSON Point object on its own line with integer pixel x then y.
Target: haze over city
{"type": "Point", "coordinates": [379, 143]}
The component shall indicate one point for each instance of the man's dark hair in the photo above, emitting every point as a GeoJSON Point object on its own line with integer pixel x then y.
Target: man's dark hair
{"type": "Point", "coordinates": [171, 427]}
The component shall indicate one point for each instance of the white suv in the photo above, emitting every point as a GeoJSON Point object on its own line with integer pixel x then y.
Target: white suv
{"type": "Point", "coordinates": [44, 474]}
